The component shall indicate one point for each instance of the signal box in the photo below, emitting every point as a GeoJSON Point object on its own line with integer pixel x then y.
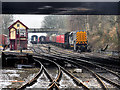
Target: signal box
{"type": "Point", "coordinates": [18, 36]}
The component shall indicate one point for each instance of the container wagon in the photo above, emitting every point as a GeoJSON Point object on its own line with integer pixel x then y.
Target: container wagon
{"type": "Point", "coordinates": [42, 39]}
{"type": "Point", "coordinates": [3, 41]}
{"type": "Point", "coordinates": [76, 40]}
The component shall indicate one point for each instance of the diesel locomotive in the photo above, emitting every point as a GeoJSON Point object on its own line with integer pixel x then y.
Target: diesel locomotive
{"type": "Point", "coordinates": [76, 40]}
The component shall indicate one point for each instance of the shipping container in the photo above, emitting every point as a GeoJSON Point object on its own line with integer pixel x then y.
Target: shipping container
{"type": "Point", "coordinates": [57, 38]}
{"type": "Point", "coordinates": [62, 39]}
{"type": "Point", "coordinates": [47, 39]}
{"type": "Point", "coordinates": [53, 38]}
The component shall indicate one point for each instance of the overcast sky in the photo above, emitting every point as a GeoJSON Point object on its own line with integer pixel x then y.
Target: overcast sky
{"type": "Point", "coordinates": [31, 21]}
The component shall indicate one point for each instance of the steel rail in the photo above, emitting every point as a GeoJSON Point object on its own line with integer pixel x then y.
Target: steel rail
{"type": "Point", "coordinates": [50, 78]}
{"type": "Point", "coordinates": [59, 70]}
{"type": "Point", "coordinates": [69, 57]}
{"type": "Point", "coordinates": [102, 68]}
{"type": "Point", "coordinates": [111, 82]}
{"type": "Point", "coordinates": [33, 80]}
{"type": "Point", "coordinates": [76, 80]}
{"type": "Point", "coordinates": [54, 82]}
{"type": "Point", "coordinates": [94, 74]}
{"type": "Point", "coordinates": [61, 52]}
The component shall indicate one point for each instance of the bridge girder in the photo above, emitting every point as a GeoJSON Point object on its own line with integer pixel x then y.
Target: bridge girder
{"type": "Point", "coordinates": [42, 30]}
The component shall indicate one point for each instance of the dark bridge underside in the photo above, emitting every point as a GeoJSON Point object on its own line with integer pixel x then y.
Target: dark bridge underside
{"type": "Point", "coordinates": [42, 30]}
{"type": "Point", "coordinates": [61, 8]}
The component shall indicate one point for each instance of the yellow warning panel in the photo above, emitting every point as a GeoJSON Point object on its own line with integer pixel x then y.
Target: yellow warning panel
{"type": "Point", "coordinates": [81, 37]}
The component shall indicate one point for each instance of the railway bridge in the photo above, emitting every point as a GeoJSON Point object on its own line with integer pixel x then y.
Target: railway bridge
{"type": "Point", "coordinates": [42, 30]}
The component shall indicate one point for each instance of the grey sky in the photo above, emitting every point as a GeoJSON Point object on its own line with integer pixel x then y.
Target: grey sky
{"type": "Point", "coordinates": [31, 21]}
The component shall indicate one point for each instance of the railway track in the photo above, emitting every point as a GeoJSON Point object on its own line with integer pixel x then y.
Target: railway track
{"type": "Point", "coordinates": [43, 70]}
{"type": "Point", "coordinates": [96, 64]}
{"type": "Point", "coordinates": [53, 82]}
{"type": "Point", "coordinates": [95, 73]}
{"type": "Point", "coordinates": [58, 51]}
{"type": "Point", "coordinates": [61, 70]}
{"type": "Point", "coordinates": [76, 81]}
{"type": "Point", "coordinates": [74, 78]}
{"type": "Point", "coordinates": [83, 62]}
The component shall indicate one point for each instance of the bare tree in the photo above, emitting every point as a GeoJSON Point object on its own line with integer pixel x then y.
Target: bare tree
{"type": "Point", "coordinates": [118, 33]}
{"type": "Point", "coordinates": [6, 22]}
{"type": "Point", "coordinates": [0, 23]}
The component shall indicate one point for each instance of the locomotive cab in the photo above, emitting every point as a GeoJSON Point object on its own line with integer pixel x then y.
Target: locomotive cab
{"type": "Point", "coordinates": [78, 40]}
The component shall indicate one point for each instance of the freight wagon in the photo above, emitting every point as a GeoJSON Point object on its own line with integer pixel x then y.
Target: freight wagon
{"type": "Point", "coordinates": [52, 38]}
{"type": "Point", "coordinates": [47, 39]}
{"type": "Point", "coordinates": [63, 40]}
{"type": "Point", "coordinates": [42, 39]}
{"type": "Point", "coordinates": [3, 41]}
{"type": "Point", "coordinates": [76, 40]}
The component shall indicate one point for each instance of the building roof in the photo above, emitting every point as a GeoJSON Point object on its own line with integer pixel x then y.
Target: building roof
{"type": "Point", "coordinates": [17, 22]}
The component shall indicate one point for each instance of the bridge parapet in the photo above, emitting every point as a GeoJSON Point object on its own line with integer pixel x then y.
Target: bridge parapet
{"type": "Point", "coordinates": [45, 30]}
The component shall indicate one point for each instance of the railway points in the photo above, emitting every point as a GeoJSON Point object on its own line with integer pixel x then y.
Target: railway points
{"type": "Point", "coordinates": [57, 57]}
{"type": "Point", "coordinates": [56, 61]}
{"type": "Point", "coordinates": [57, 69]}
